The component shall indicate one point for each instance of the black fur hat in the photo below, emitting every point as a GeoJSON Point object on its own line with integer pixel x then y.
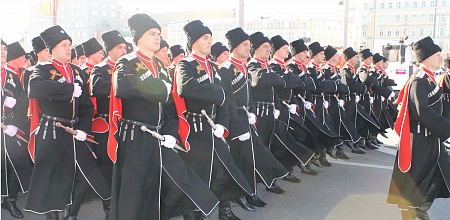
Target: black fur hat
{"type": "Point", "coordinates": [276, 42]}
{"type": "Point", "coordinates": [38, 44]}
{"type": "Point", "coordinates": [141, 23]}
{"type": "Point", "coordinates": [425, 48]}
{"type": "Point", "coordinates": [349, 53]}
{"type": "Point", "coordinates": [329, 52]}
{"type": "Point", "coordinates": [377, 58]}
{"type": "Point", "coordinates": [112, 39]}
{"type": "Point", "coordinates": [364, 54]}
{"type": "Point", "coordinates": [176, 50]}
{"type": "Point", "coordinates": [53, 35]}
{"type": "Point", "coordinates": [257, 39]}
{"type": "Point", "coordinates": [91, 46]}
{"type": "Point", "coordinates": [163, 44]}
{"type": "Point", "coordinates": [14, 51]}
{"type": "Point", "coordinates": [129, 47]}
{"type": "Point", "coordinates": [236, 37]}
{"type": "Point", "coordinates": [217, 49]}
{"type": "Point", "coordinates": [298, 46]}
{"type": "Point", "coordinates": [195, 30]}
{"type": "Point", "coordinates": [314, 49]}
{"type": "Point", "coordinates": [4, 43]}
{"type": "Point", "coordinates": [73, 54]}
{"type": "Point", "coordinates": [79, 51]}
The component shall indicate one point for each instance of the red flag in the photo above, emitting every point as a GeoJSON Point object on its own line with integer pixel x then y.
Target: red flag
{"type": "Point", "coordinates": [33, 114]}
{"type": "Point", "coordinates": [183, 126]}
{"type": "Point", "coordinates": [115, 115]}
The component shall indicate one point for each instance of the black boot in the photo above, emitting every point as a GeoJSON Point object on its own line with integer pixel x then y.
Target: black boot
{"type": "Point", "coordinates": [275, 188]}
{"type": "Point", "coordinates": [225, 212]}
{"type": "Point", "coordinates": [255, 201]}
{"type": "Point", "coordinates": [244, 204]}
{"type": "Point", "coordinates": [307, 169]}
{"type": "Point", "coordinates": [356, 149]}
{"type": "Point", "coordinates": [10, 205]}
{"type": "Point", "coordinates": [52, 215]}
{"type": "Point", "coordinates": [362, 144]}
{"type": "Point", "coordinates": [315, 160]}
{"type": "Point", "coordinates": [323, 159]}
{"type": "Point", "coordinates": [422, 211]}
{"type": "Point", "coordinates": [329, 151]}
{"type": "Point", "coordinates": [291, 178]}
{"type": "Point", "coordinates": [341, 154]}
{"type": "Point", "coordinates": [408, 215]}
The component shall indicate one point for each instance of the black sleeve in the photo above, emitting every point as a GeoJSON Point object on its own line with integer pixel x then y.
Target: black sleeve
{"type": "Point", "coordinates": [419, 109]}
{"type": "Point", "coordinates": [170, 119]}
{"type": "Point", "coordinates": [262, 78]}
{"type": "Point", "coordinates": [42, 88]}
{"type": "Point", "coordinates": [100, 83]}
{"type": "Point", "coordinates": [189, 87]}
{"type": "Point", "coordinates": [85, 108]}
{"type": "Point", "coordinates": [130, 86]}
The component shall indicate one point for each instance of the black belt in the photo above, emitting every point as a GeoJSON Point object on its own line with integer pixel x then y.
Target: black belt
{"type": "Point", "coordinates": [317, 95]}
{"type": "Point", "coordinates": [132, 122]}
{"type": "Point", "coordinates": [213, 116]}
{"type": "Point", "coordinates": [265, 103]}
{"type": "Point", "coordinates": [286, 100]}
{"type": "Point", "coordinates": [54, 118]}
{"type": "Point", "coordinates": [243, 108]}
{"type": "Point", "coordinates": [103, 115]}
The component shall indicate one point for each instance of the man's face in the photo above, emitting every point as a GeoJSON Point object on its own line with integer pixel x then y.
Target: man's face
{"type": "Point", "coordinates": [118, 51]}
{"type": "Point", "coordinates": [18, 62]}
{"type": "Point", "coordinates": [353, 61]}
{"type": "Point", "coordinates": [81, 60]}
{"type": "Point", "coordinates": [334, 60]}
{"type": "Point", "coordinates": [319, 58]}
{"type": "Point", "coordinates": [96, 58]}
{"type": "Point", "coordinates": [178, 58]}
{"type": "Point", "coordinates": [44, 55]}
{"type": "Point", "coordinates": [163, 55]}
{"type": "Point", "coordinates": [62, 51]}
{"type": "Point", "coordinates": [203, 45]}
{"type": "Point", "coordinates": [282, 53]}
{"type": "Point", "coordinates": [150, 40]}
{"type": "Point", "coordinates": [3, 54]}
{"type": "Point", "coordinates": [433, 62]}
{"type": "Point", "coordinates": [224, 56]}
{"type": "Point", "coordinates": [385, 64]}
{"type": "Point", "coordinates": [302, 56]}
{"type": "Point", "coordinates": [242, 51]}
{"type": "Point", "coordinates": [368, 60]}
{"type": "Point", "coordinates": [263, 51]}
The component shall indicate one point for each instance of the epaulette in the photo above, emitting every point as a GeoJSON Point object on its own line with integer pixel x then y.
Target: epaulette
{"type": "Point", "coordinates": [189, 59]}
{"type": "Point", "coordinates": [45, 63]}
{"type": "Point", "coordinates": [326, 66]}
{"type": "Point", "coordinates": [226, 64]}
{"type": "Point", "coordinates": [101, 64]}
{"type": "Point", "coordinates": [310, 65]}
{"type": "Point", "coordinates": [252, 61]}
{"type": "Point", "coordinates": [83, 67]}
{"type": "Point", "coordinates": [31, 68]}
{"type": "Point", "coordinates": [421, 74]}
{"type": "Point", "coordinates": [129, 56]}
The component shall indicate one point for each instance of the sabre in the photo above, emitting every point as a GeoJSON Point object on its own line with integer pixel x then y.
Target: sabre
{"type": "Point", "coordinates": [161, 138]}
{"type": "Point", "coordinates": [248, 115]}
{"type": "Point", "coordinates": [17, 135]}
{"type": "Point", "coordinates": [73, 132]}
{"type": "Point", "coordinates": [210, 122]}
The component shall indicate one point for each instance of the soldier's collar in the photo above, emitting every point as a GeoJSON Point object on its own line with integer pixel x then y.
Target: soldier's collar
{"type": "Point", "coordinates": [143, 57]}
{"type": "Point", "coordinates": [59, 62]}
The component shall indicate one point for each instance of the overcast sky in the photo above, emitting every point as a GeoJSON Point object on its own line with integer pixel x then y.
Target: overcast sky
{"type": "Point", "coordinates": [14, 17]}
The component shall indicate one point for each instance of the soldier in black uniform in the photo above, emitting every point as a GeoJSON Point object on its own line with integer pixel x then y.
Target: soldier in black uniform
{"type": "Point", "coordinates": [16, 163]}
{"type": "Point", "coordinates": [219, 53]}
{"type": "Point", "coordinates": [354, 110]}
{"type": "Point", "coordinates": [100, 89]}
{"type": "Point", "coordinates": [59, 95]}
{"type": "Point", "coordinates": [422, 169]}
{"type": "Point", "coordinates": [444, 82]}
{"type": "Point", "coordinates": [264, 82]}
{"type": "Point", "coordinates": [284, 145]}
{"type": "Point", "coordinates": [342, 124]}
{"type": "Point", "coordinates": [94, 55]}
{"type": "Point", "coordinates": [149, 177]}
{"type": "Point", "coordinates": [80, 55]}
{"type": "Point", "coordinates": [197, 88]}
{"type": "Point", "coordinates": [176, 54]}
{"type": "Point", "coordinates": [251, 155]}
{"type": "Point", "coordinates": [43, 55]}
{"type": "Point", "coordinates": [163, 53]}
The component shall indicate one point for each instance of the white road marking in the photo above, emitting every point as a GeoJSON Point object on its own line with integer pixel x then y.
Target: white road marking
{"type": "Point", "coordinates": [359, 164]}
{"type": "Point", "coordinates": [387, 150]}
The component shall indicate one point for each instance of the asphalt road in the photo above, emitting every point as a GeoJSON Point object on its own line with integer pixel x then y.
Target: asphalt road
{"type": "Point", "coordinates": [350, 189]}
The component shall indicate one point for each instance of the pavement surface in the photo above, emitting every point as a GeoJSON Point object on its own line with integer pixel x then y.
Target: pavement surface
{"type": "Point", "coordinates": [350, 189]}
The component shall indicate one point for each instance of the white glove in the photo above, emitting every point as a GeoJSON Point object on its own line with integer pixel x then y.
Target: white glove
{"type": "Point", "coordinates": [357, 98]}
{"type": "Point", "coordinates": [218, 132]}
{"type": "Point", "coordinates": [77, 90]}
{"type": "Point", "coordinates": [11, 130]}
{"type": "Point", "coordinates": [251, 118]}
{"type": "Point", "coordinates": [326, 104]}
{"type": "Point", "coordinates": [293, 108]}
{"type": "Point", "coordinates": [276, 113]}
{"type": "Point", "coordinates": [81, 135]}
{"type": "Point", "coordinates": [371, 100]}
{"type": "Point", "coordinates": [244, 137]}
{"type": "Point", "coordinates": [308, 105]}
{"type": "Point", "coordinates": [9, 102]}
{"type": "Point", "coordinates": [341, 103]}
{"type": "Point", "coordinates": [392, 95]}
{"type": "Point", "coordinates": [169, 141]}
{"type": "Point", "coordinates": [168, 86]}
{"type": "Point", "coordinates": [382, 99]}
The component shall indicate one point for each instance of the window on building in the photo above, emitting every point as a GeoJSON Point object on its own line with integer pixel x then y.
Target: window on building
{"type": "Point", "coordinates": [113, 7]}
{"type": "Point", "coordinates": [415, 4]}
{"type": "Point", "coordinates": [430, 31]}
{"type": "Point", "coordinates": [424, 4]}
{"type": "Point", "coordinates": [405, 18]}
{"type": "Point", "coordinates": [94, 4]}
{"type": "Point", "coordinates": [389, 18]}
{"type": "Point", "coordinates": [444, 3]}
{"type": "Point", "coordinates": [431, 3]}
{"type": "Point", "coordinates": [381, 18]}
{"type": "Point", "coordinates": [431, 18]}
{"type": "Point", "coordinates": [94, 12]}
{"type": "Point", "coordinates": [422, 31]}
{"type": "Point", "coordinates": [84, 34]}
{"type": "Point", "coordinates": [399, 4]}
{"type": "Point", "coordinates": [364, 31]}
{"type": "Point", "coordinates": [103, 5]}
{"type": "Point", "coordinates": [441, 31]}
{"type": "Point", "coordinates": [406, 4]}
{"type": "Point", "coordinates": [414, 18]}
{"type": "Point", "coordinates": [113, 14]}
{"type": "Point", "coordinates": [405, 30]}
{"type": "Point", "coordinates": [104, 13]}
{"type": "Point", "coordinates": [365, 6]}
{"type": "Point", "coordinates": [365, 19]}
{"type": "Point", "coordinates": [389, 32]}
{"type": "Point", "coordinates": [397, 31]}
{"type": "Point", "coordinates": [442, 17]}
{"type": "Point", "coordinates": [413, 31]}
{"type": "Point", "coordinates": [422, 18]}
{"type": "Point", "coordinates": [397, 18]}
{"type": "Point", "coordinates": [382, 5]}
{"type": "Point", "coordinates": [381, 32]}
{"type": "Point", "coordinates": [390, 4]}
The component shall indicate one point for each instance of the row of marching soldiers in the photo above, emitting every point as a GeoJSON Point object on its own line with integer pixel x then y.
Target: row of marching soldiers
{"type": "Point", "coordinates": [155, 142]}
